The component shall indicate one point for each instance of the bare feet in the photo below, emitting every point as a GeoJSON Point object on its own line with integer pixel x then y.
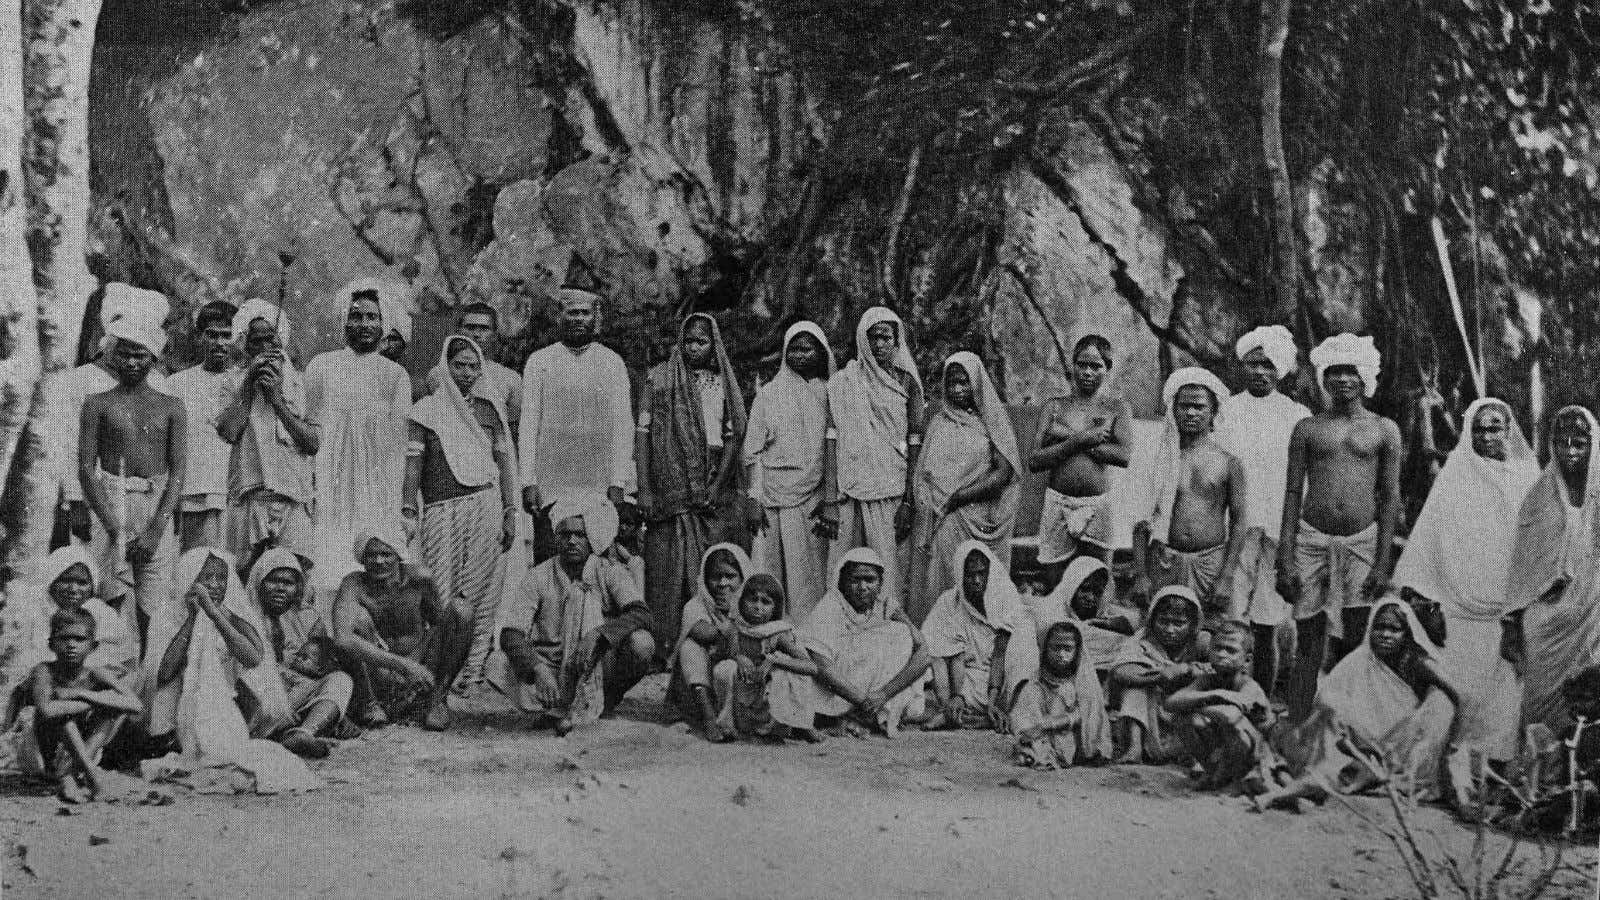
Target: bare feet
{"type": "Point", "coordinates": [70, 791]}
{"type": "Point", "coordinates": [304, 743]}
{"type": "Point", "coordinates": [563, 727]}
{"type": "Point", "coordinates": [372, 715]}
{"type": "Point", "coordinates": [438, 715]}
{"type": "Point", "coordinates": [809, 735]}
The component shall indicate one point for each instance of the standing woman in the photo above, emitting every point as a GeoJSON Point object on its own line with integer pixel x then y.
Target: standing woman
{"type": "Point", "coordinates": [458, 456]}
{"type": "Point", "coordinates": [966, 486]}
{"type": "Point", "coordinates": [1553, 579]}
{"type": "Point", "coordinates": [1459, 554]}
{"type": "Point", "coordinates": [687, 446]}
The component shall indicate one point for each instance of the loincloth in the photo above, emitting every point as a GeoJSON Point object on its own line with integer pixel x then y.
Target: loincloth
{"type": "Point", "coordinates": [1333, 571]}
{"type": "Point", "coordinates": [1066, 523]}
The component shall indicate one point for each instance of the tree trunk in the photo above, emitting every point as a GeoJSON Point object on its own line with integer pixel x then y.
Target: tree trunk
{"type": "Point", "coordinates": [1285, 259]}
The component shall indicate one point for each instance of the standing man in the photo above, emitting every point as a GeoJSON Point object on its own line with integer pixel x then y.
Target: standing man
{"type": "Point", "coordinates": [1192, 535]}
{"type": "Point", "coordinates": [131, 462]}
{"type": "Point", "coordinates": [204, 391]}
{"type": "Point", "coordinates": [576, 434]}
{"type": "Point", "coordinates": [360, 402]}
{"type": "Point", "coordinates": [272, 441]}
{"type": "Point", "coordinates": [1336, 548]}
{"type": "Point", "coordinates": [1255, 425]}
{"type": "Point", "coordinates": [481, 323]}
{"type": "Point", "coordinates": [1080, 436]}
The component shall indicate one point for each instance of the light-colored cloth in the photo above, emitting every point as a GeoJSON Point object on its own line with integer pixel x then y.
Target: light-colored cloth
{"type": "Point", "coordinates": [395, 302]}
{"type": "Point", "coordinates": [135, 501]}
{"type": "Point", "coordinates": [273, 518]}
{"type": "Point", "coordinates": [702, 607]}
{"type": "Point", "coordinates": [200, 701]}
{"type": "Point", "coordinates": [866, 649]}
{"type": "Point", "coordinates": [1100, 645]}
{"type": "Point", "coordinates": [1069, 525]}
{"type": "Point", "coordinates": [1042, 696]}
{"type": "Point", "coordinates": [1197, 570]}
{"type": "Point", "coordinates": [872, 408]}
{"type": "Point", "coordinates": [1146, 706]}
{"type": "Point", "coordinates": [870, 524]}
{"type": "Point", "coordinates": [1366, 700]}
{"type": "Point", "coordinates": [256, 308]}
{"type": "Point", "coordinates": [266, 455]}
{"type": "Point", "coordinates": [576, 435]}
{"type": "Point", "coordinates": [205, 396]}
{"type": "Point", "coordinates": [1255, 582]}
{"type": "Point", "coordinates": [958, 449]}
{"type": "Point", "coordinates": [133, 314]}
{"type": "Point", "coordinates": [1348, 350]}
{"type": "Point", "coordinates": [118, 648]}
{"type": "Point", "coordinates": [1333, 569]}
{"type": "Point", "coordinates": [955, 628]}
{"type": "Point", "coordinates": [468, 449]}
{"type": "Point", "coordinates": [599, 515]}
{"type": "Point", "coordinates": [1556, 536]}
{"type": "Point", "coordinates": [790, 550]}
{"type": "Point", "coordinates": [1168, 467]}
{"type": "Point", "coordinates": [1256, 430]}
{"type": "Point", "coordinates": [785, 436]}
{"type": "Point", "coordinates": [299, 644]}
{"type": "Point", "coordinates": [361, 402]}
{"type": "Point", "coordinates": [460, 547]}
{"type": "Point", "coordinates": [1276, 341]}
{"type": "Point", "coordinates": [1459, 554]}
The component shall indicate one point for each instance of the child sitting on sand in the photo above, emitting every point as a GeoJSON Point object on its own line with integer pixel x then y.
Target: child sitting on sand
{"type": "Point", "coordinates": [1223, 717]}
{"type": "Point", "coordinates": [1167, 654]}
{"type": "Point", "coordinates": [77, 708]}
{"type": "Point", "coordinates": [1060, 717]}
{"type": "Point", "coordinates": [764, 668]}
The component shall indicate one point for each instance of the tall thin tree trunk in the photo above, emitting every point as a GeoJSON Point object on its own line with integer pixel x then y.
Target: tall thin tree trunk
{"type": "Point", "coordinates": [1285, 259]}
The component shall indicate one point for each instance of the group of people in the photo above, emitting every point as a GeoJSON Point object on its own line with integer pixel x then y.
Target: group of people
{"type": "Point", "coordinates": [259, 559]}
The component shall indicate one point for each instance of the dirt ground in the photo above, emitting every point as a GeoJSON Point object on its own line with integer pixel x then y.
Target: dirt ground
{"type": "Point", "coordinates": [633, 808]}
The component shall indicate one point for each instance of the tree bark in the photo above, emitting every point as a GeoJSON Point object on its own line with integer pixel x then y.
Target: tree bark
{"type": "Point", "coordinates": [19, 304]}
{"type": "Point", "coordinates": [1285, 258]}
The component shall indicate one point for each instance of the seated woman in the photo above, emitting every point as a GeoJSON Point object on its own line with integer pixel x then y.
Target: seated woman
{"type": "Point", "coordinates": [1385, 711]}
{"type": "Point", "coordinates": [872, 665]}
{"type": "Point", "coordinates": [1080, 595]}
{"type": "Point", "coordinates": [1167, 654]}
{"type": "Point", "coordinates": [705, 632]}
{"type": "Point", "coordinates": [218, 654]}
{"type": "Point", "coordinates": [317, 692]}
{"type": "Point", "coordinates": [967, 632]}
{"type": "Point", "coordinates": [1060, 714]}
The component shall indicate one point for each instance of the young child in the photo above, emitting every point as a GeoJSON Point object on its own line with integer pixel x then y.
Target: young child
{"type": "Point", "coordinates": [71, 579]}
{"type": "Point", "coordinates": [1163, 657]}
{"type": "Point", "coordinates": [764, 669]}
{"type": "Point", "coordinates": [1223, 716]}
{"type": "Point", "coordinates": [1060, 714]}
{"type": "Point", "coordinates": [77, 707]}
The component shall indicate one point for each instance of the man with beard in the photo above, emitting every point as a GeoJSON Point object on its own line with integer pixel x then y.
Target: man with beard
{"type": "Point", "coordinates": [576, 434]}
{"type": "Point", "coordinates": [1336, 541]}
{"type": "Point", "coordinates": [204, 391]}
{"type": "Point", "coordinates": [1081, 435]}
{"type": "Point", "coordinates": [359, 401]}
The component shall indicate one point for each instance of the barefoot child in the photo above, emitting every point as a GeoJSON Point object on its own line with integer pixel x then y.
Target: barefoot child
{"type": "Point", "coordinates": [1080, 595]}
{"type": "Point", "coordinates": [1224, 715]}
{"type": "Point", "coordinates": [1163, 657]}
{"type": "Point", "coordinates": [707, 623]}
{"type": "Point", "coordinates": [77, 707]}
{"type": "Point", "coordinates": [71, 579]}
{"type": "Point", "coordinates": [967, 632]}
{"type": "Point", "coordinates": [1060, 714]}
{"type": "Point", "coordinates": [766, 673]}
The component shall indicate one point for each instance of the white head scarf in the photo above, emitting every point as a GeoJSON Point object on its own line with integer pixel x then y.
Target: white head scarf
{"type": "Point", "coordinates": [599, 514]}
{"type": "Point", "coordinates": [903, 360]}
{"type": "Point", "coordinates": [60, 560]}
{"type": "Point", "coordinates": [1276, 341]}
{"type": "Point", "coordinates": [1168, 454]}
{"type": "Point", "coordinates": [1349, 350]}
{"type": "Point", "coordinates": [256, 308]}
{"type": "Point", "coordinates": [136, 315]}
{"type": "Point", "coordinates": [447, 413]}
{"type": "Point", "coordinates": [816, 333]}
{"type": "Point", "coordinates": [389, 535]}
{"type": "Point", "coordinates": [1459, 552]}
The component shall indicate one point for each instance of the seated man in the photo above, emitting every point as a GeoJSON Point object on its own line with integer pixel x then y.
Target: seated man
{"type": "Point", "coordinates": [318, 693]}
{"type": "Point", "coordinates": [872, 667]}
{"type": "Point", "coordinates": [409, 644]}
{"type": "Point", "coordinates": [77, 707]}
{"type": "Point", "coordinates": [577, 636]}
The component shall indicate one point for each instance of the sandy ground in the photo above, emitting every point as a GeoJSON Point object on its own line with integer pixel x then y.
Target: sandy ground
{"type": "Point", "coordinates": [633, 808]}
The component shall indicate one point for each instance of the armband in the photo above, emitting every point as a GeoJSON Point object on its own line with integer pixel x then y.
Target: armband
{"type": "Point", "coordinates": [413, 448]}
{"type": "Point", "coordinates": [830, 434]}
{"type": "Point", "coordinates": [644, 419]}
{"type": "Point", "coordinates": [914, 440]}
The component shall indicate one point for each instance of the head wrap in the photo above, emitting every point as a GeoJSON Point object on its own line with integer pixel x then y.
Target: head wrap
{"type": "Point", "coordinates": [131, 314]}
{"type": "Point", "coordinates": [1166, 468]}
{"type": "Point", "coordinates": [448, 414]}
{"type": "Point", "coordinates": [1459, 551]}
{"type": "Point", "coordinates": [816, 332]}
{"type": "Point", "coordinates": [1367, 695]}
{"type": "Point", "coordinates": [271, 561]}
{"type": "Point", "coordinates": [1000, 601]}
{"type": "Point", "coordinates": [1080, 570]}
{"type": "Point", "coordinates": [1349, 350]}
{"type": "Point", "coordinates": [1275, 341]}
{"type": "Point", "coordinates": [59, 561]}
{"type": "Point", "coordinates": [834, 621]}
{"type": "Point", "coordinates": [681, 465]}
{"type": "Point", "coordinates": [1145, 650]}
{"type": "Point", "coordinates": [599, 514]}
{"type": "Point", "coordinates": [391, 537]}
{"type": "Point", "coordinates": [571, 294]}
{"type": "Point", "coordinates": [703, 604]}
{"type": "Point", "coordinates": [394, 302]}
{"type": "Point", "coordinates": [903, 360]}
{"type": "Point", "coordinates": [958, 447]}
{"type": "Point", "coordinates": [256, 308]}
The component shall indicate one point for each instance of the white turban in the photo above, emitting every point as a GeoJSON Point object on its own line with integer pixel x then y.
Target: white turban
{"type": "Point", "coordinates": [394, 302]}
{"type": "Point", "coordinates": [567, 295]}
{"type": "Point", "coordinates": [135, 315]}
{"type": "Point", "coordinates": [599, 514]}
{"type": "Point", "coordinates": [254, 309]}
{"type": "Point", "coordinates": [1349, 350]}
{"type": "Point", "coordinates": [1193, 375]}
{"type": "Point", "coordinates": [1275, 341]}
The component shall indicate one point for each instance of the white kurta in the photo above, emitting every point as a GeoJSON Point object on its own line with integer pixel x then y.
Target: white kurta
{"type": "Point", "coordinates": [205, 396]}
{"type": "Point", "coordinates": [576, 434]}
{"type": "Point", "coordinates": [360, 402]}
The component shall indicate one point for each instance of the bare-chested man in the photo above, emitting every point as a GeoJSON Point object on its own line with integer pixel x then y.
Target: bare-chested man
{"type": "Point", "coordinates": [1079, 436]}
{"type": "Point", "coordinates": [131, 459]}
{"type": "Point", "coordinates": [1336, 548]}
{"type": "Point", "coordinates": [1194, 531]}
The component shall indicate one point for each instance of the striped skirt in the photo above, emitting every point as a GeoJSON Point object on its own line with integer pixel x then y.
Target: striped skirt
{"type": "Point", "coordinates": [460, 547]}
